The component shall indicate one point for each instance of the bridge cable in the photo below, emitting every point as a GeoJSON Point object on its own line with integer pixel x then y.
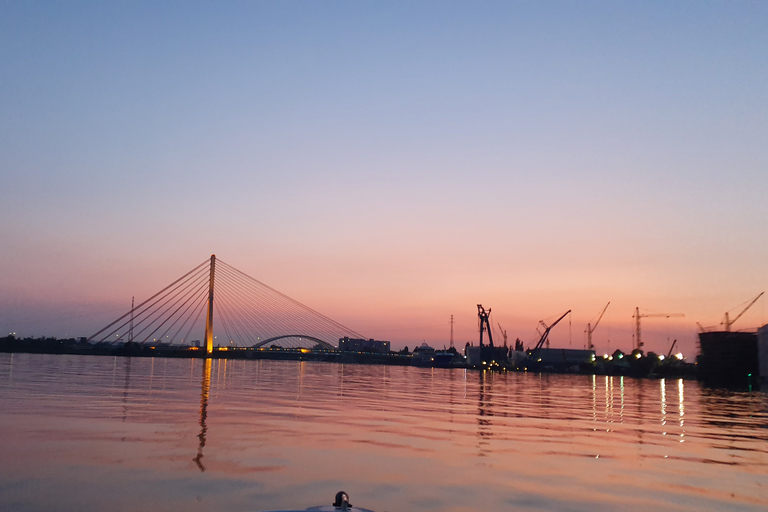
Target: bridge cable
{"type": "Point", "coordinates": [295, 302]}
{"type": "Point", "coordinates": [140, 317]}
{"type": "Point", "coordinates": [149, 299]}
{"type": "Point", "coordinates": [249, 319]}
{"type": "Point", "coordinates": [309, 321]}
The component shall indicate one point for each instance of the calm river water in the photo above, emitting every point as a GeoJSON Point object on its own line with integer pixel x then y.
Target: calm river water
{"type": "Point", "coordinates": [90, 433]}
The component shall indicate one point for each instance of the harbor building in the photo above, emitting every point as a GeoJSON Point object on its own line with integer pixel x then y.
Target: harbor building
{"type": "Point", "coordinates": [359, 345]}
{"type": "Point", "coordinates": [728, 358]}
{"type": "Point", "coordinates": [762, 354]}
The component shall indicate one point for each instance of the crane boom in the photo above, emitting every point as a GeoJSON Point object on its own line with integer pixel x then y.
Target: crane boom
{"type": "Point", "coordinates": [591, 329]}
{"type": "Point", "coordinates": [637, 316]}
{"type": "Point", "coordinates": [669, 354]}
{"type": "Point", "coordinates": [728, 322]}
{"type": "Point", "coordinates": [503, 333]}
{"type": "Point", "coordinates": [546, 333]}
{"type": "Point", "coordinates": [601, 315]}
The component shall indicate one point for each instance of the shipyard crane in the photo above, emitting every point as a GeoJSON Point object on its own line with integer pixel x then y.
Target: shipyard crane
{"type": "Point", "coordinates": [483, 315]}
{"type": "Point", "coordinates": [503, 333]}
{"type": "Point", "coordinates": [727, 322]}
{"type": "Point", "coordinates": [637, 316]}
{"type": "Point", "coordinates": [546, 332]}
{"type": "Point", "coordinates": [591, 329]}
{"type": "Point", "coordinates": [669, 354]}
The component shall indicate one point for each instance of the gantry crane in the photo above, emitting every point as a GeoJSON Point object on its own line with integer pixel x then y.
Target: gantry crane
{"type": "Point", "coordinates": [637, 316]}
{"type": "Point", "coordinates": [727, 322]}
{"type": "Point", "coordinates": [591, 329]}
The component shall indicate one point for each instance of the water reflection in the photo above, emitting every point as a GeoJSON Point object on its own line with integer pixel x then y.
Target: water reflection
{"type": "Point", "coordinates": [484, 412]}
{"type": "Point", "coordinates": [681, 407]}
{"type": "Point", "coordinates": [126, 387]}
{"type": "Point", "coordinates": [205, 389]}
{"type": "Point", "coordinates": [613, 402]}
{"type": "Point", "coordinates": [413, 439]}
{"type": "Point", "coordinates": [7, 364]}
{"type": "Point", "coordinates": [732, 414]}
{"type": "Point", "coordinates": [663, 388]}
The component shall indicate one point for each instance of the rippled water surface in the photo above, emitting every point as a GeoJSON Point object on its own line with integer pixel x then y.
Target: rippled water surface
{"type": "Point", "coordinates": [94, 433]}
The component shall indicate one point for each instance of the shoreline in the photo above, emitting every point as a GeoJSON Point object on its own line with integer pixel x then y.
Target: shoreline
{"type": "Point", "coordinates": [81, 347]}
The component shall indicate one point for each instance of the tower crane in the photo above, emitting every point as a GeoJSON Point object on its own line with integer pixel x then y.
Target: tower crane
{"type": "Point", "coordinates": [637, 316]}
{"type": "Point", "coordinates": [728, 322]}
{"type": "Point", "coordinates": [591, 329]}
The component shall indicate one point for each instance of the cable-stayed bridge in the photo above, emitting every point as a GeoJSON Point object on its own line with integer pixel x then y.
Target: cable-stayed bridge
{"type": "Point", "coordinates": [249, 313]}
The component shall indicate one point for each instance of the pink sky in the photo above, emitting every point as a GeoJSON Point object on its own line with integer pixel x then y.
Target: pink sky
{"type": "Point", "coordinates": [390, 166]}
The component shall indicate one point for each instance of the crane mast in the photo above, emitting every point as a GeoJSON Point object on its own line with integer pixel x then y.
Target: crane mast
{"type": "Point", "coordinates": [591, 329]}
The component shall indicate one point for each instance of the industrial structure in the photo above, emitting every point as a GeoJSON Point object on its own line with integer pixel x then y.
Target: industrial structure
{"type": "Point", "coordinates": [728, 322]}
{"type": "Point", "coordinates": [637, 316]}
{"type": "Point", "coordinates": [738, 358]}
{"type": "Point", "coordinates": [347, 344]}
{"type": "Point", "coordinates": [762, 355]}
{"type": "Point", "coordinates": [256, 321]}
{"type": "Point", "coordinates": [542, 358]}
{"type": "Point", "coordinates": [590, 329]}
{"type": "Point", "coordinates": [545, 336]}
{"type": "Point", "coordinates": [486, 355]}
{"type": "Point", "coordinates": [728, 358]}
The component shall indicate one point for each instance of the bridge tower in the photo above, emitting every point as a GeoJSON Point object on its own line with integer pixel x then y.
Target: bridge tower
{"type": "Point", "coordinates": [209, 317]}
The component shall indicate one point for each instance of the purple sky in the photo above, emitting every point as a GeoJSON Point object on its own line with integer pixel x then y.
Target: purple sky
{"type": "Point", "coordinates": [390, 164]}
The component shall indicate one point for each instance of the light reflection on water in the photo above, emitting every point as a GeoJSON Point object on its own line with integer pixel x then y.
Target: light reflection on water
{"type": "Point", "coordinates": [96, 433]}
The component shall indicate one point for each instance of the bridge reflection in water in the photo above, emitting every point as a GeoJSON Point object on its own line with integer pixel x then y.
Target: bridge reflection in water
{"type": "Point", "coordinates": [204, 391]}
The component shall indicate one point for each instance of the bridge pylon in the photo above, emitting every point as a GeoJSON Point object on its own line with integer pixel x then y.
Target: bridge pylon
{"type": "Point", "coordinates": [209, 317]}
{"type": "Point", "coordinates": [248, 312]}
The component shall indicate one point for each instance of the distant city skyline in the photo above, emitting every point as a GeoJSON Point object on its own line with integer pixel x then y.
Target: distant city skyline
{"type": "Point", "coordinates": [390, 165]}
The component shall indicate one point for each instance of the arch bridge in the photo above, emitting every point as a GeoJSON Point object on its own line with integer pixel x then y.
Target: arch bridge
{"type": "Point", "coordinates": [317, 341]}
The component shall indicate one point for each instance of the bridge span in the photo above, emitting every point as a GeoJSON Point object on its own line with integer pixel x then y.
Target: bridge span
{"type": "Point", "coordinates": [244, 311]}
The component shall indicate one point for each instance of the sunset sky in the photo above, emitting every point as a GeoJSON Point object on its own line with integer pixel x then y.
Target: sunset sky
{"type": "Point", "coordinates": [390, 164]}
